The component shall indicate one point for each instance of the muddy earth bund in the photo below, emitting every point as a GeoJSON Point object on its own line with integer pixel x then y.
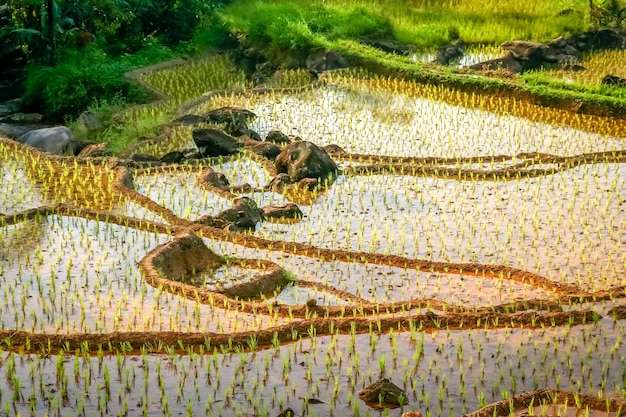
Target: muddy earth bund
{"type": "Point", "coordinates": [471, 251]}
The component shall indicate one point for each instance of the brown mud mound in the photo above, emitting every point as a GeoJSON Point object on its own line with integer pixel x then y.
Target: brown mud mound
{"type": "Point", "coordinates": [557, 400]}
{"type": "Point", "coordinates": [186, 254]}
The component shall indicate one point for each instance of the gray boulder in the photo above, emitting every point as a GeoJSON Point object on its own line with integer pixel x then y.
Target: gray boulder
{"type": "Point", "coordinates": [213, 142]}
{"type": "Point", "coordinates": [305, 160]}
{"type": "Point", "coordinates": [56, 140]}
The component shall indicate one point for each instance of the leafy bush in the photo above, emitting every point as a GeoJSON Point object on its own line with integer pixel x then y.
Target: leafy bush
{"type": "Point", "coordinates": [350, 24]}
{"type": "Point", "coordinates": [213, 32]}
{"type": "Point", "coordinates": [82, 77]}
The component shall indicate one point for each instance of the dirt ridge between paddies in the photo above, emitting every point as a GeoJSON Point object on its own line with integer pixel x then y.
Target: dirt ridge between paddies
{"type": "Point", "coordinates": [550, 396]}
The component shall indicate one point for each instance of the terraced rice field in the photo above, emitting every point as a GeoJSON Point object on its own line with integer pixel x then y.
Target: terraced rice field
{"type": "Point", "coordinates": [472, 248]}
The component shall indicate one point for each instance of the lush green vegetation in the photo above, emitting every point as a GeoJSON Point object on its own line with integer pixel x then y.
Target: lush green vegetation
{"type": "Point", "coordinates": [425, 24]}
{"type": "Point", "coordinates": [82, 61]}
{"type": "Point", "coordinates": [80, 64]}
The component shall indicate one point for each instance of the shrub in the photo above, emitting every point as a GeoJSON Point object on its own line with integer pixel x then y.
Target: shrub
{"type": "Point", "coordinates": [83, 77]}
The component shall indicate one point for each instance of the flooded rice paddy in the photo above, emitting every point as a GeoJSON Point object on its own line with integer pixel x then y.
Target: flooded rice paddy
{"type": "Point", "coordinates": [529, 266]}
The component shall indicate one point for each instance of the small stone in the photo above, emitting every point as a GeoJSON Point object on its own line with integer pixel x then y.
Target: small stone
{"type": "Point", "coordinates": [311, 303]}
{"type": "Point", "coordinates": [276, 136]}
{"type": "Point", "coordinates": [175, 157]}
{"type": "Point", "coordinates": [142, 157]}
{"type": "Point", "coordinates": [279, 182]}
{"type": "Point", "coordinates": [287, 413]}
{"type": "Point", "coordinates": [384, 392]}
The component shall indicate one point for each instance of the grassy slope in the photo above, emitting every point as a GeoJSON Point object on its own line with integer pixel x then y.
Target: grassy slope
{"type": "Point", "coordinates": [424, 23]}
{"type": "Point", "coordinates": [282, 27]}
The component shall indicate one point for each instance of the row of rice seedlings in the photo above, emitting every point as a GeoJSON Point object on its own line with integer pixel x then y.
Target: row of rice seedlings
{"type": "Point", "coordinates": [177, 137]}
{"type": "Point", "coordinates": [388, 119]}
{"type": "Point", "coordinates": [177, 83]}
{"type": "Point", "coordinates": [597, 66]}
{"type": "Point", "coordinates": [243, 171]}
{"type": "Point", "coordinates": [297, 295]}
{"type": "Point", "coordinates": [443, 373]}
{"type": "Point", "coordinates": [495, 103]}
{"type": "Point", "coordinates": [477, 22]}
{"type": "Point", "coordinates": [193, 78]}
{"type": "Point", "coordinates": [31, 180]}
{"type": "Point", "coordinates": [221, 278]}
{"type": "Point", "coordinates": [181, 193]}
{"type": "Point", "coordinates": [566, 227]}
{"type": "Point", "coordinates": [17, 191]}
{"type": "Point", "coordinates": [82, 276]}
{"type": "Point", "coordinates": [267, 198]}
{"type": "Point", "coordinates": [131, 209]}
{"type": "Point", "coordinates": [28, 181]}
{"type": "Point", "coordinates": [289, 78]}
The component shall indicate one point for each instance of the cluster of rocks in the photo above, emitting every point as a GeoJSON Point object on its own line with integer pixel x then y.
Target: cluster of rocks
{"type": "Point", "coordinates": [561, 52]}
{"type": "Point", "coordinates": [298, 163]}
{"type": "Point", "coordinates": [261, 69]}
{"type": "Point", "coordinates": [295, 158]}
{"type": "Point", "coordinates": [245, 214]}
{"type": "Point", "coordinates": [451, 53]}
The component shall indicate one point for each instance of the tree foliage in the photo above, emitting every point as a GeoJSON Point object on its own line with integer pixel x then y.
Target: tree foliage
{"type": "Point", "coordinates": [79, 49]}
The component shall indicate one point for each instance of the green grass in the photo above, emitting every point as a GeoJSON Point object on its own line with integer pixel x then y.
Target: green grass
{"type": "Point", "coordinates": [425, 24]}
